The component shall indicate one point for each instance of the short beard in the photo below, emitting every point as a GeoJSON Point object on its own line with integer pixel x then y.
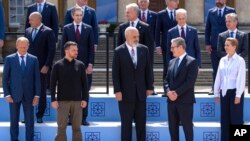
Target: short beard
{"type": "Point", "coordinates": [219, 4]}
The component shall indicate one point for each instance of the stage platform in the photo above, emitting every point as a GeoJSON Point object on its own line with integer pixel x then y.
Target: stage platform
{"type": "Point", "coordinates": [105, 121]}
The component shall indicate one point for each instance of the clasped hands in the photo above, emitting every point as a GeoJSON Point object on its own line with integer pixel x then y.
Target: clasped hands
{"type": "Point", "coordinates": [172, 95]}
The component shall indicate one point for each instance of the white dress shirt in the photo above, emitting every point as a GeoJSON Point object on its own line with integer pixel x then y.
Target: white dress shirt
{"type": "Point", "coordinates": [130, 49]}
{"type": "Point", "coordinates": [184, 27]}
{"type": "Point", "coordinates": [234, 31]}
{"type": "Point", "coordinates": [20, 58]}
{"type": "Point", "coordinates": [135, 22]}
{"type": "Point", "coordinates": [231, 74]}
{"type": "Point", "coordinates": [79, 28]}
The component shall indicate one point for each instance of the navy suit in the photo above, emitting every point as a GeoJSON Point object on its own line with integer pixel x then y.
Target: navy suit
{"type": "Point", "coordinates": [88, 18]}
{"type": "Point", "coordinates": [192, 43]}
{"type": "Point", "coordinates": [214, 26]}
{"type": "Point", "coordinates": [86, 52]}
{"type": "Point", "coordinates": [49, 16]}
{"type": "Point", "coordinates": [43, 47]}
{"type": "Point", "coordinates": [242, 38]}
{"type": "Point", "coordinates": [132, 83]}
{"type": "Point", "coordinates": [181, 110]}
{"type": "Point", "coordinates": [22, 86]}
{"type": "Point", "coordinates": [163, 24]}
{"type": "Point", "coordinates": [1, 21]}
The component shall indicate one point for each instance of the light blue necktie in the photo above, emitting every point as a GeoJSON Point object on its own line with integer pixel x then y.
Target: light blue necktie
{"type": "Point", "coordinates": [39, 8]}
{"type": "Point", "coordinates": [34, 33]}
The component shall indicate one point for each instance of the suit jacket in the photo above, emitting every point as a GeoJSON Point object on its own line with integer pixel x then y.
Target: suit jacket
{"type": "Point", "coordinates": [88, 18]}
{"type": "Point", "coordinates": [19, 85]}
{"type": "Point", "coordinates": [242, 38]}
{"type": "Point", "coordinates": [191, 39]}
{"type": "Point", "coordinates": [144, 32]}
{"type": "Point", "coordinates": [184, 80]}
{"type": "Point", "coordinates": [49, 14]}
{"type": "Point", "coordinates": [85, 45]}
{"type": "Point", "coordinates": [163, 24]}
{"type": "Point", "coordinates": [151, 21]}
{"type": "Point", "coordinates": [215, 25]}
{"type": "Point", "coordinates": [132, 82]}
{"type": "Point", "coordinates": [43, 46]}
{"type": "Point", "coordinates": [1, 21]}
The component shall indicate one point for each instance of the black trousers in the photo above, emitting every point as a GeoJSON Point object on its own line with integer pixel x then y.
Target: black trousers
{"type": "Point", "coordinates": [231, 114]}
{"type": "Point", "coordinates": [129, 112]}
{"type": "Point", "coordinates": [42, 99]}
{"type": "Point", "coordinates": [180, 112]}
{"type": "Point", "coordinates": [85, 110]}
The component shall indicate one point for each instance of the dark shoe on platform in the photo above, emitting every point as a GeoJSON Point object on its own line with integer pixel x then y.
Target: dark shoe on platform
{"type": "Point", "coordinates": [69, 123]}
{"type": "Point", "coordinates": [85, 123]}
{"type": "Point", "coordinates": [39, 120]}
{"type": "Point", "coordinates": [154, 93]}
{"type": "Point", "coordinates": [211, 92]}
{"type": "Point", "coordinates": [22, 121]}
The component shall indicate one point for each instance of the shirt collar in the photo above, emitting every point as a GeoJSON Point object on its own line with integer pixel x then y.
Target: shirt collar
{"type": "Point", "coordinates": [19, 55]}
{"type": "Point", "coordinates": [182, 56]}
{"type": "Point", "coordinates": [222, 9]}
{"type": "Point", "coordinates": [185, 26]}
{"type": "Point", "coordinates": [83, 7]}
{"type": "Point", "coordinates": [76, 23]}
{"type": "Point", "coordinates": [135, 22]}
{"type": "Point", "coordinates": [130, 47]}
{"type": "Point", "coordinates": [38, 28]}
{"type": "Point", "coordinates": [170, 10]}
{"type": "Point", "coordinates": [235, 30]}
{"type": "Point", "coordinates": [145, 11]}
{"type": "Point", "coordinates": [233, 57]}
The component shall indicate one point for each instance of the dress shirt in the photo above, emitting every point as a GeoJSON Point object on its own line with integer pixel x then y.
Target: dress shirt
{"type": "Point", "coordinates": [20, 58]}
{"type": "Point", "coordinates": [231, 74]}
{"type": "Point", "coordinates": [79, 28]}
{"type": "Point", "coordinates": [42, 5]}
{"type": "Point", "coordinates": [181, 58]}
{"type": "Point", "coordinates": [185, 29]}
{"type": "Point", "coordinates": [145, 14]}
{"type": "Point", "coordinates": [130, 49]}
{"type": "Point", "coordinates": [234, 31]}
{"type": "Point", "coordinates": [135, 22]}
{"type": "Point", "coordinates": [169, 13]}
{"type": "Point", "coordinates": [222, 10]}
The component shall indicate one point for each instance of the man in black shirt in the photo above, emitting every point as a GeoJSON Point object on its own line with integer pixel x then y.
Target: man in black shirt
{"type": "Point", "coordinates": [68, 75]}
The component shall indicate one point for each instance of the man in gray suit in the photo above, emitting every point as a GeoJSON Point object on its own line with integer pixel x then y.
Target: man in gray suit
{"type": "Point", "coordinates": [233, 32]}
{"type": "Point", "coordinates": [21, 86]}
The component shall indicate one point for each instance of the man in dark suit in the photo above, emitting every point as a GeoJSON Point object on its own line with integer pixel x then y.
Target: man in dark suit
{"type": "Point", "coordinates": [42, 45]}
{"type": "Point", "coordinates": [21, 86]}
{"type": "Point", "coordinates": [233, 32]}
{"type": "Point", "coordinates": [89, 18]}
{"type": "Point", "coordinates": [82, 34]}
{"type": "Point", "coordinates": [133, 82]}
{"type": "Point", "coordinates": [165, 21]}
{"type": "Point", "coordinates": [188, 33]}
{"type": "Point", "coordinates": [215, 24]}
{"type": "Point", "coordinates": [48, 12]}
{"type": "Point", "coordinates": [132, 10]}
{"type": "Point", "coordinates": [179, 86]}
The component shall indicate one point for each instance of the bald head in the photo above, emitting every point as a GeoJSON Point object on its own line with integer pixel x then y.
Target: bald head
{"type": "Point", "coordinates": [35, 19]}
{"type": "Point", "coordinates": [132, 36]}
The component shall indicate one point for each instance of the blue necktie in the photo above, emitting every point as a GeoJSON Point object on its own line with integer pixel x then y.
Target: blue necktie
{"type": "Point", "coordinates": [22, 64]}
{"type": "Point", "coordinates": [176, 66]}
{"type": "Point", "coordinates": [39, 8]}
{"type": "Point", "coordinates": [34, 33]}
{"type": "Point", "coordinates": [219, 14]}
{"type": "Point", "coordinates": [171, 15]}
{"type": "Point", "coordinates": [232, 34]}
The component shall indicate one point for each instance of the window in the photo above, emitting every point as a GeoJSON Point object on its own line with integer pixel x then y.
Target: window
{"type": "Point", "coordinates": [17, 11]}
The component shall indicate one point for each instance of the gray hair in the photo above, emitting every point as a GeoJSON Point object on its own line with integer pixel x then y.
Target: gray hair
{"type": "Point", "coordinates": [22, 39]}
{"type": "Point", "coordinates": [179, 41]}
{"type": "Point", "coordinates": [133, 6]}
{"type": "Point", "coordinates": [233, 16]}
{"type": "Point", "coordinates": [181, 11]}
{"type": "Point", "coordinates": [146, 0]}
{"type": "Point", "coordinates": [128, 29]}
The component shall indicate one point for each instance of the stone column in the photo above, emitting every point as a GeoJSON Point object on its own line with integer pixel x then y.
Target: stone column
{"type": "Point", "coordinates": [121, 8]}
{"type": "Point", "coordinates": [195, 12]}
{"type": "Point", "coordinates": [242, 9]}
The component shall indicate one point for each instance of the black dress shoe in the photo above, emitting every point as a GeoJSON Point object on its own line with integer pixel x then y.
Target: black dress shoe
{"type": "Point", "coordinates": [23, 121]}
{"type": "Point", "coordinates": [211, 92]}
{"type": "Point", "coordinates": [69, 123]}
{"type": "Point", "coordinates": [154, 93]}
{"type": "Point", "coordinates": [85, 123]}
{"type": "Point", "coordinates": [39, 120]}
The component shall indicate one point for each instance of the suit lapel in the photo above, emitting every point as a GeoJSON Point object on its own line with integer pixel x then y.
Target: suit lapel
{"type": "Point", "coordinates": [82, 30]}
{"type": "Point", "coordinates": [183, 62]}
{"type": "Point", "coordinates": [39, 32]}
{"type": "Point", "coordinates": [17, 63]}
{"type": "Point", "coordinates": [72, 31]}
{"type": "Point", "coordinates": [27, 64]}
